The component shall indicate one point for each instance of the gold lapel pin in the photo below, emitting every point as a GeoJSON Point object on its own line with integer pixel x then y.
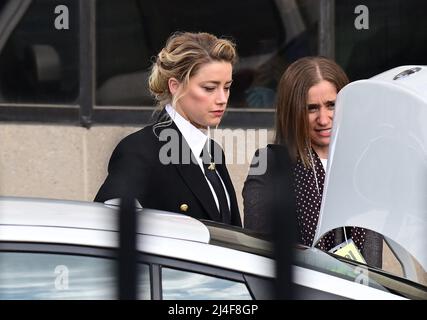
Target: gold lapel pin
{"type": "Point", "coordinates": [212, 166]}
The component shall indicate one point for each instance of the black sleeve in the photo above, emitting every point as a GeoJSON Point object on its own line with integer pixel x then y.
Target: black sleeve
{"type": "Point", "coordinates": [268, 189]}
{"type": "Point", "coordinates": [128, 171]}
{"type": "Point", "coordinates": [255, 195]}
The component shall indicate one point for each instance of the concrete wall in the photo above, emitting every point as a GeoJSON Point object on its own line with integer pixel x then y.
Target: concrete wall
{"type": "Point", "coordinates": [62, 162]}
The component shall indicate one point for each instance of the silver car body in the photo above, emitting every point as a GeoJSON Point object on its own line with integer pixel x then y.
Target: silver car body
{"type": "Point", "coordinates": [41, 221]}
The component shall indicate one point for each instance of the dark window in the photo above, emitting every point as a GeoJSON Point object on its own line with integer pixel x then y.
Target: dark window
{"type": "Point", "coordinates": [396, 36]}
{"type": "Point", "coordinates": [38, 63]}
{"type": "Point", "coordinates": [46, 74]}
{"type": "Point", "coordinates": [269, 35]}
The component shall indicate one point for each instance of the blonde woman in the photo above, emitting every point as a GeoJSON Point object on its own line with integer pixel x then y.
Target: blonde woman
{"type": "Point", "coordinates": [172, 164]}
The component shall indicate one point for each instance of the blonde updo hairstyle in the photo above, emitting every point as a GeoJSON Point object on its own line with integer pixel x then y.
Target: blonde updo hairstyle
{"type": "Point", "coordinates": [181, 58]}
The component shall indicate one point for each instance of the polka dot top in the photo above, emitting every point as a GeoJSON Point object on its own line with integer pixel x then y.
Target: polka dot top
{"type": "Point", "coordinates": [308, 200]}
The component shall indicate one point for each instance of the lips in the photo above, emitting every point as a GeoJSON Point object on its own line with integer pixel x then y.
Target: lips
{"type": "Point", "coordinates": [324, 132]}
{"type": "Point", "coordinates": [217, 113]}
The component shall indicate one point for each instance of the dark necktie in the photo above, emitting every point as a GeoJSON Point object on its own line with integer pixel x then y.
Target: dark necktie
{"type": "Point", "coordinates": [212, 175]}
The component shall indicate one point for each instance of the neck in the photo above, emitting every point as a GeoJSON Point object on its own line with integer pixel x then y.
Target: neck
{"type": "Point", "coordinates": [184, 115]}
{"type": "Point", "coordinates": [322, 152]}
{"type": "Point", "coordinates": [198, 126]}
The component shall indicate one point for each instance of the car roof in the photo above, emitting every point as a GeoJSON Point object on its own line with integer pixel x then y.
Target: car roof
{"type": "Point", "coordinates": [95, 224]}
{"type": "Point", "coordinates": [67, 214]}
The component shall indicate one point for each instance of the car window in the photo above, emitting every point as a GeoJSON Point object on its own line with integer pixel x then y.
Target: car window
{"type": "Point", "coordinates": [39, 62]}
{"type": "Point", "coordinates": [186, 285]}
{"type": "Point", "coordinates": [33, 276]}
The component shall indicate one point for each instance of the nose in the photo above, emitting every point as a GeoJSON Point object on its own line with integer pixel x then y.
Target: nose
{"type": "Point", "coordinates": [325, 116]}
{"type": "Point", "coordinates": [222, 96]}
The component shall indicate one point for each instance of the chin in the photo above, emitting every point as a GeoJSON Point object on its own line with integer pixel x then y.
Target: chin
{"type": "Point", "coordinates": [213, 123]}
{"type": "Point", "coordinates": [324, 142]}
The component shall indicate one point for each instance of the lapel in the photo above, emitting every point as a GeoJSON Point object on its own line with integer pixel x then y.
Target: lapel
{"type": "Point", "coordinates": [193, 175]}
{"type": "Point", "coordinates": [223, 172]}
{"type": "Point", "coordinates": [221, 168]}
{"type": "Point", "coordinates": [196, 181]}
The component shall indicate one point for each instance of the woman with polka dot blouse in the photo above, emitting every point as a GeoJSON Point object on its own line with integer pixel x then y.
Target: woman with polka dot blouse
{"type": "Point", "coordinates": [304, 113]}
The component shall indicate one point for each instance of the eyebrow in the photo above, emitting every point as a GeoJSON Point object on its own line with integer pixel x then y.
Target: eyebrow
{"type": "Point", "coordinates": [317, 105]}
{"type": "Point", "coordinates": [216, 82]}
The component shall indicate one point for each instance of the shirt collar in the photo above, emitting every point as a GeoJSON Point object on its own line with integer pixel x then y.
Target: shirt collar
{"type": "Point", "coordinates": [195, 138]}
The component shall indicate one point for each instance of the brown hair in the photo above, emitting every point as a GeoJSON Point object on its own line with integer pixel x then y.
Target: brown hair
{"type": "Point", "coordinates": [182, 56]}
{"type": "Point", "coordinates": [292, 127]}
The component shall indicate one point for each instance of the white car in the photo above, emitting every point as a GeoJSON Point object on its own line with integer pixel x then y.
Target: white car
{"type": "Point", "coordinates": [51, 249]}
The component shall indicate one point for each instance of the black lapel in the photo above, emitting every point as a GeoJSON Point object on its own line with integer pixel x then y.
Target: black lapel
{"type": "Point", "coordinates": [223, 172]}
{"type": "Point", "coordinates": [234, 208]}
{"type": "Point", "coordinates": [194, 177]}
{"type": "Point", "coordinates": [196, 181]}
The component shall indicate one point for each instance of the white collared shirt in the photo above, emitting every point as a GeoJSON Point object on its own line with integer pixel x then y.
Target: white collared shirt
{"type": "Point", "coordinates": [324, 163]}
{"type": "Point", "coordinates": [196, 140]}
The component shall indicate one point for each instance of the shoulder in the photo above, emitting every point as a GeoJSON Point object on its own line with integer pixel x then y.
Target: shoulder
{"type": "Point", "coordinates": [262, 162]}
{"type": "Point", "coordinates": [142, 139]}
{"type": "Point", "coordinates": [144, 134]}
{"type": "Point", "coordinates": [269, 159]}
{"type": "Point", "coordinates": [137, 147]}
{"type": "Point", "coordinates": [272, 153]}
{"type": "Point", "coordinates": [278, 151]}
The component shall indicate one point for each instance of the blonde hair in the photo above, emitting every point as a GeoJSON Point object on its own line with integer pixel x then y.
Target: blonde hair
{"type": "Point", "coordinates": [292, 127]}
{"type": "Point", "coordinates": [181, 58]}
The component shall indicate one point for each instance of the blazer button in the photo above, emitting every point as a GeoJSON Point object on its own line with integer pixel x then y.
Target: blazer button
{"type": "Point", "coordinates": [183, 207]}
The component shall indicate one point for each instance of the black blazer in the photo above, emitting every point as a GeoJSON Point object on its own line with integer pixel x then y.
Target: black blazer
{"type": "Point", "coordinates": [135, 167]}
{"type": "Point", "coordinates": [260, 190]}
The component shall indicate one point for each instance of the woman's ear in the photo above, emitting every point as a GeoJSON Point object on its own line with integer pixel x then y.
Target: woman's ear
{"type": "Point", "coordinates": [173, 85]}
